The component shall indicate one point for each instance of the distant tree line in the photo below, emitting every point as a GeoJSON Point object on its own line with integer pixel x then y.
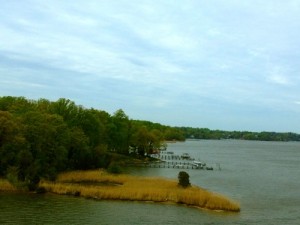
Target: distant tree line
{"type": "Point", "coordinates": [205, 133]}
{"type": "Point", "coordinates": [39, 138]}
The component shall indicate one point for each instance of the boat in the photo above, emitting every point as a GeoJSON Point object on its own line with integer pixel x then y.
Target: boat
{"type": "Point", "coordinates": [199, 165]}
{"type": "Point", "coordinates": [185, 156]}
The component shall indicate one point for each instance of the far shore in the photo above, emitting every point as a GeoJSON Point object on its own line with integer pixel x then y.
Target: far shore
{"type": "Point", "coordinates": [100, 185]}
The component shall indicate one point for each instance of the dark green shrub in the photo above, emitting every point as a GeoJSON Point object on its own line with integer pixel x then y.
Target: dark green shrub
{"type": "Point", "coordinates": [114, 168]}
{"type": "Point", "coordinates": [183, 179]}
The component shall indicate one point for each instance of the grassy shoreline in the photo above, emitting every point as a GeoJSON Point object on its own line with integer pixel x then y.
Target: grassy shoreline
{"type": "Point", "coordinates": [6, 186]}
{"type": "Point", "coordinates": [101, 185]}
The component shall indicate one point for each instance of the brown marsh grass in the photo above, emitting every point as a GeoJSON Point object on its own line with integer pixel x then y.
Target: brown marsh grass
{"type": "Point", "coordinates": [6, 186]}
{"type": "Point", "coordinates": [98, 184]}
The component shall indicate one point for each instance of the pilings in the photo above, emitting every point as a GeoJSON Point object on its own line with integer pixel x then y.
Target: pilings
{"type": "Point", "coordinates": [172, 165]}
{"type": "Point", "coordinates": [173, 161]}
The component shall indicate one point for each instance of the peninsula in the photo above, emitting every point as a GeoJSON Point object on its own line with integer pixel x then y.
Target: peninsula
{"type": "Point", "coordinates": [101, 185]}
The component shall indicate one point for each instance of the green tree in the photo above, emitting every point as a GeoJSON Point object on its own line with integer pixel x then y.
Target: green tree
{"type": "Point", "coordinates": [79, 153]}
{"type": "Point", "coordinates": [174, 134]}
{"type": "Point", "coordinates": [43, 105]}
{"type": "Point", "coordinates": [119, 130]}
{"type": "Point", "coordinates": [65, 108]}
{"type": "Point", "coordinates": [145, 141]}
{"type": "Point", "coordinates": [140, 140]}
{"type": "Point", "coordinates": [16, 105]}
{"type": "Point", "coordinates": [90, 124]}
{"type": "Point", "coordinates": [48, 137]}
{"type": "Point", "coordinates": [183, 179]}
{"type": "Point", "coordinates": [11, 141]}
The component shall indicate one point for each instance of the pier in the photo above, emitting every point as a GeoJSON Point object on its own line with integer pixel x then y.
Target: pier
{"type": "Point", "coordinates": [172, 161]}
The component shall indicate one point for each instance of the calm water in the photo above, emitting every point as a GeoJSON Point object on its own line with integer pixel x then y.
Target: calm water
{"type": "Point", "coordinates": [262, 176]}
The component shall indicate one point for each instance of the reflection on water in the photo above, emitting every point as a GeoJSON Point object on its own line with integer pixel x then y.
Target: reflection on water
{"type": "Point", "coordinates": [262, 176]}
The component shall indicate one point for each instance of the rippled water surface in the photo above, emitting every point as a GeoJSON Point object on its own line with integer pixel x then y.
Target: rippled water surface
{"type": "Point", "coordinates": [262, 176]}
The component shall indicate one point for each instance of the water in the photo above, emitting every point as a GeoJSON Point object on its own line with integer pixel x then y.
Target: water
{"type": "Point", "coordinates": [262, 176]}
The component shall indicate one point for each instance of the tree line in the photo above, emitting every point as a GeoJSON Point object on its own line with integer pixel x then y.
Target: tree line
{"type": "Point", "coordinates": [205, 133]}
{"type": "Point", "coordinates": [39, 138]}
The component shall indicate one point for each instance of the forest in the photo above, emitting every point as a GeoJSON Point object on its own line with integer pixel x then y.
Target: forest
{"type": "Point", "coordinates": [40, 138]}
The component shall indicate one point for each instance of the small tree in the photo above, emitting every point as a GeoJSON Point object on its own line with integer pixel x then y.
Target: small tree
{"type": "Point", "coordinates": [114, 168]}
{"type": "Point", "coordinates": [184, 179]}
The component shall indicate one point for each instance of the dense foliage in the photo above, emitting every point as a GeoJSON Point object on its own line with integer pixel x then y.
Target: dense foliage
{"type": "Point", "coordinates": [184, 179]}
{"type": "Point", "coordinates": [40, 138]}
{"type": "Point", "coordinates": [204, 133]}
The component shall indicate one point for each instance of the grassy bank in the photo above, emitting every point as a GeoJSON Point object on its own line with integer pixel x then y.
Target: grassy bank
{"type": "Point", "coordinates": [6, 186]}
{"type": "Point", "coordinates": [101, 185]}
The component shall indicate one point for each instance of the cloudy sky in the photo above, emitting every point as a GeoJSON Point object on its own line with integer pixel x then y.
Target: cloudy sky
{"type": "Point", "coordinates": [220, 64]}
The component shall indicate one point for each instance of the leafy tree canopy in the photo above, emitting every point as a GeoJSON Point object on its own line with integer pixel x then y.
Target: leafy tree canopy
{"type": "Point", "coordinates": [40, 138]}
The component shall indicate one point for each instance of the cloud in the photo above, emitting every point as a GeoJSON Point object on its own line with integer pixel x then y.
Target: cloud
{"type": "Point", "coordinates": [277, 75]}
{"type": "Point", "coordinates": [163, 55]}
{"type": "Point", "coordinates": [279, 79]}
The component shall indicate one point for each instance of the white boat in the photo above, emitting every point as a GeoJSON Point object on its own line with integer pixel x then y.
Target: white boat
{"type": "Point", "coordinates": [185, 156]}
{"type": "Point", "coordinates": [198, 164]}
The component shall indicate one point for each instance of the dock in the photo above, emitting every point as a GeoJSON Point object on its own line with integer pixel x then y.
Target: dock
{"type": "Point", "coordinates": [172, 161]}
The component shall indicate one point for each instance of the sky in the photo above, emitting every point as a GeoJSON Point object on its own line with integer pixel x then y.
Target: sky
{"type": "Point", "coordinates": [219, 64]}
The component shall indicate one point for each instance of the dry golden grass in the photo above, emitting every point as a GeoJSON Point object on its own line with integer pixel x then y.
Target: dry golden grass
{"type": "Point", "coordinates": [6, 186]}
{"type": "Point", "coordinates": [96, 176]}
{"type": "Point", "coordinates": [101, 185]}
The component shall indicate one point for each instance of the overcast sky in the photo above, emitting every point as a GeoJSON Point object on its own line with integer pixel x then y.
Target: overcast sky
{"type": "Point", "coordinates": [219, 64]}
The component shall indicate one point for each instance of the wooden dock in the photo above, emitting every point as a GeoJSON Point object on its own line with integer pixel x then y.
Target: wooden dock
{"type": "Point", "coordinates": [173, 161]}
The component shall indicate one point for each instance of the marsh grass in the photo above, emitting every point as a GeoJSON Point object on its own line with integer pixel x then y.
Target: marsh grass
{"type": "Point", "coordinates": [133, 188]}
{"type": "Point", "coordinates": [6, 186]}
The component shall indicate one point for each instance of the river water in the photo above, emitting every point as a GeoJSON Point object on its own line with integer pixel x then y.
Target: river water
{"type": "Point", "coordinates": [262, 176]}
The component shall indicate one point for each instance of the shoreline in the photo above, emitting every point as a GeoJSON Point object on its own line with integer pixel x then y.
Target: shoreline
{"type": "Point", "coordinates": [100, 185]}
{"type": "Point", "coordinates": [94, 185]}
{"type": "Point", "coordinates": [5, 186]}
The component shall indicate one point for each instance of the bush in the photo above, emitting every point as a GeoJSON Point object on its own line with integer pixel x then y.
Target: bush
{"type": "Point", "coordinates": [21, 180]}
{"type": "Point", "coordinates": [184, 179]}
{"type": "Point", "coordinates": [114, 168]}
